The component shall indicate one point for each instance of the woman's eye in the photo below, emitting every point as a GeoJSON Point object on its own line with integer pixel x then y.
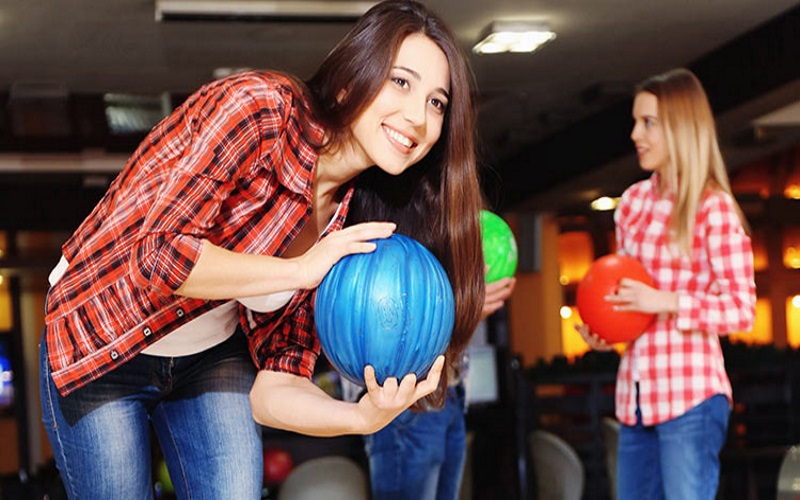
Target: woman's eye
{"type": "Point", "coordinates": [440, 105]}
{"type": "Point", "coordinates": [400, 82]}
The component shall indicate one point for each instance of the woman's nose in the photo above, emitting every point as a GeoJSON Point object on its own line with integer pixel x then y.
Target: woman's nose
{"type": "Point", "coordinates": [634, 133]}
{"type": "Point", "coordinates": [414, 111]}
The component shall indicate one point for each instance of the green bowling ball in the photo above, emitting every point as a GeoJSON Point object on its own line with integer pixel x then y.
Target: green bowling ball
{"type": "Point", "coordinates": [163, 477]}
{"type": "Point", "coordinates": [499, 247]}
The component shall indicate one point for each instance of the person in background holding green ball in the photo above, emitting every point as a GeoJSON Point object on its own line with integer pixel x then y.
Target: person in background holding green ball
{"type": "Point", "coordinates": [420, 455]}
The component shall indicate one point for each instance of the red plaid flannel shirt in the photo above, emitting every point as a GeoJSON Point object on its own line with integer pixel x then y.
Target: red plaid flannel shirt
{"type": "Point", "coordinates": [678, 360]}
{"type": "Point", "coordinates": [231, 166]}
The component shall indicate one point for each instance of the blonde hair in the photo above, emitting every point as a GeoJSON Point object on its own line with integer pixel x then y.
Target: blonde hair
{"type": "Point", "coordinates": [696, 163]}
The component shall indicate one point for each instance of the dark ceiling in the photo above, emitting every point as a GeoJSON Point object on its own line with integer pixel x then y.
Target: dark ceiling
{"type": "Point", "coordinates": [80, 82]}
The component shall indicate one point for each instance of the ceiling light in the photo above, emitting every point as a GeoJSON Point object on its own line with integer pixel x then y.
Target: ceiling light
{"type": "Point", "coordinates": [604, 203]}
{"type": "Point", "coordinates": [513, 36]}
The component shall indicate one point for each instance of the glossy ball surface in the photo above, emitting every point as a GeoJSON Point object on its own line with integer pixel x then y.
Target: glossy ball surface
{"type": "Point", "coordinates": [602, 279]}
{"type": "Point", "coordinates": [392, 308]}
{"type": "Point", "coordinates": [499, 247]}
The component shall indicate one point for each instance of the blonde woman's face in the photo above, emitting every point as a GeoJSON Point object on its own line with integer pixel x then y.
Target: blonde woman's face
{"type": "Point", "coordinates": [405, 120]}
{"type": "Point", "coordinates": [648, 134]}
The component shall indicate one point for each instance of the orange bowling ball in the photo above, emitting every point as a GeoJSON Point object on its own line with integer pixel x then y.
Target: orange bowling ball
{"type": "Point", "coordinates": [602, 279]}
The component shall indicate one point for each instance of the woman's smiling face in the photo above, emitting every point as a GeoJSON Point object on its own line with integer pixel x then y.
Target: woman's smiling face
{"type": "Point", "coordinates": [404, 121]}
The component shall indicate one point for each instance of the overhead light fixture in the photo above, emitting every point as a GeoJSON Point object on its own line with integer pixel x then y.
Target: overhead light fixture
{"type": "Point", "coordinates": [513, 36]}
{"type": "Point", "coordinates": [604, 203]}
{"type": "Point", "coordinates": [261, 10]}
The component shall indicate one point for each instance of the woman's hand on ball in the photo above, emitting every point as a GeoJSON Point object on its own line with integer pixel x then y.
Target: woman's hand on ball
{"type": "Point", "coordinates": [319, 259]}
{"type": "Point", "coordinates": [593, 340]}
{"type": "Point", "coordinates": [633, 295]}
{"type": "Point", "coordinates": [381, 404]}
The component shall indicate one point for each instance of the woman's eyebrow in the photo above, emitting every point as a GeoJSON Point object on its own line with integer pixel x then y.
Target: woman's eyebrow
{"type": "Point", "coordinates": [417, 76]}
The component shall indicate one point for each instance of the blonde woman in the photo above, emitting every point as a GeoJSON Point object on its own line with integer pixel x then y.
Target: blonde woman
{"type": "Point", "coordinates": [673, 395]}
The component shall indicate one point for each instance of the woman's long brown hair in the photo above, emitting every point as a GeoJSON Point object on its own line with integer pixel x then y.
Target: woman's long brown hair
{"type": "Point", "coordinates": [438, 200]}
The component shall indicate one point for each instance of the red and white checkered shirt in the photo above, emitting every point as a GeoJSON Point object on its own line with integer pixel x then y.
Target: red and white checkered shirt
{"type": "Point", "coordinates": [678, 361]}
{"type": "Point", "coordinates": [230, 165]}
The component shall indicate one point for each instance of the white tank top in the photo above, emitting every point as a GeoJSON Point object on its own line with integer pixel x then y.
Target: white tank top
{"type": "Point", "coordinates": [205, 331]}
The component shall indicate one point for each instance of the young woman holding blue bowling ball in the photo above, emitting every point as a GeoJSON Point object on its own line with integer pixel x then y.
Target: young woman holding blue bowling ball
{"type": "Point", "coordinates": [241, 193]}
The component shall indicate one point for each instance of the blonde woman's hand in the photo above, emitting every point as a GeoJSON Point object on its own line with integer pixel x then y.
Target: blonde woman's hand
{"type": "Point", "coordinates": [318, 260]}
{"type": "Point", "coordinates": [593, 340]}
{"type": "Point", "coordinates": [633, 295]}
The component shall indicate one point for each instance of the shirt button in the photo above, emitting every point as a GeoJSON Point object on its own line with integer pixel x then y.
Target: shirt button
{"type": "Point", "coordinates": [147, 331]}
{"type": "Point", "coordinates": [114, 354]}
{"type": "Point", "coordinates": [180, 312]}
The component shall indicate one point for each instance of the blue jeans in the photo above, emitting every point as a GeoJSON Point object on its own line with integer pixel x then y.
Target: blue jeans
{"type": "Point", "coordinates": [675, 460]}
{"type": "Point", "coordinates": [420, 456]}
{"type": "Point", "coordinates": [200, 410]}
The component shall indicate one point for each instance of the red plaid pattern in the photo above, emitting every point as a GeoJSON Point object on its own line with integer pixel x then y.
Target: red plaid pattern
{"type": "Point", "coordinates": [232, 166]}
{"type": "Point", "coordinates": [678, 361]}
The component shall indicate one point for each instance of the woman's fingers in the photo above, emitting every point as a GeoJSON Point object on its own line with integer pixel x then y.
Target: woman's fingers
{"type": "Point", "coordinates": [394, 395]}
{"type": "Point", "coordinates": [496, 295]}
{"type": "Point", "coordinates": [592, 339]}
{"type": "Point", "coordinates": [431, 382]}
{"type": "Point", "coordinates": [355, 239]}
{"type": "Point", "coordinates": [321, 257]}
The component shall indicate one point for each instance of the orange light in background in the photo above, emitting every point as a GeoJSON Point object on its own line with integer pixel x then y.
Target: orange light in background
{"type": "Point", "coordinates": [760, 258]}
{"type": "Point", "coordinates": [793, 321]}
{"type": "Point", "coordinates": [791, 258]}
{"type": "Point", "coordinates": [791, 247]}
{"type": "Point", "coordinates": [6, 322]}
{"type": "Point", "coordinates": [792, 189]}
{"type": "Point", "coordinates": [572, 344]}
{"type": "Point", "coordinates": [762, 329]}
{"type": "Point", "coordinates": [575, 255]}
{"type": "Point", "coordinates": [5, 293]}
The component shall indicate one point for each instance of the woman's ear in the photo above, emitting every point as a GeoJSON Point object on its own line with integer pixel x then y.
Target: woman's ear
{"type": "Point", "coordinates": [341, 95]}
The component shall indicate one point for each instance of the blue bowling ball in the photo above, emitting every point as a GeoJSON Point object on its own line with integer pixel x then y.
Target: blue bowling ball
{"type": "Point", "coordinates": [392, 309]}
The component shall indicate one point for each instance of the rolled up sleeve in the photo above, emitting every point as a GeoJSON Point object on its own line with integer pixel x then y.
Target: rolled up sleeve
{"type": "Point", "coordinates": [727, 305]}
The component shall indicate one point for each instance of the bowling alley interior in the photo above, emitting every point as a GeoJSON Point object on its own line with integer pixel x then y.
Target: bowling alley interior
{"type": "Point", "coordinates": [554, 160]}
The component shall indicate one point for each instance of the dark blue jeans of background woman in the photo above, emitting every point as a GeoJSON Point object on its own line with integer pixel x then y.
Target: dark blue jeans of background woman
{"type": "Point", "coordinates": [420, 456]}
{"type": "Point", "coordinates": [199, 407]}
{"type": "Point", "coordinates": [674, 460]}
